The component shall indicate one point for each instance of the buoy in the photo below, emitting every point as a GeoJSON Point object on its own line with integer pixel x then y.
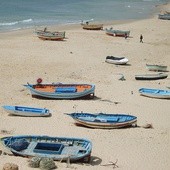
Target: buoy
{"type": "Point", "coordinates": [39, 80]}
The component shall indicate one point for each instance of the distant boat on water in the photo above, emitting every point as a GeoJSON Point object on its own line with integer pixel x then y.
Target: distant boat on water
{"type": "Point", "coordinates": [151, 76]}
{"type": "Point", "coordinates": [57, 148]}
{"type": "Point", "coordinates": [104, 121]}
{"type": "Point", "coordinates": [155, 93]}
{"type": "Point", "coordinates": [61, 91]}
{"type": "Point", "coordinates": [27, 111]}
{"type": "Point", "coordinates": [116, 60]}
{"type": "Point", "coordinates": [154, 67]}
{"type": "Point", "coordinates": [119, 33]}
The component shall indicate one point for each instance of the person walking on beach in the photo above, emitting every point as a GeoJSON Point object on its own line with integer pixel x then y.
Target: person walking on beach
{"type": "Point", "coordinates": [141, 38]}
{"type": "Point", "coordinates": [126, 36]}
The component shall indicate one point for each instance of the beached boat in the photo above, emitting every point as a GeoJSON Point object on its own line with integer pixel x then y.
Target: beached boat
{"type": "Point", "coordinates": [152, 67]}
{"type": "Point", "coordinates": [119, 33]}
{"type": "Point", "coordinates": [47, 35]}
{"type": "Point", "coordinates": [26, 111]}
{"type": "Point", "coordinates": [61, 91]}
{"type": "Point", "coordinates": [165, 16]}
{"type": "Point", "coordinates": [92, 26]}
{"type": "Point", "coordinates": [151, 76]}
{"type": "Point", "coordinates": [116, 60]}
{"type": "Point", "coordinates": [104, 121]}
{"type": "Point", "coordinates": [57, 148]}
{"type": "Point", "coordinates": [155, 93]}
{"type": "Point", "coordinates": [51, 35]}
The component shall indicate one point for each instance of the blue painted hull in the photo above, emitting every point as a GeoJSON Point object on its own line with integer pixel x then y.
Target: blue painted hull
{"type": "Point", "coordinates": [58, 148]}
{"type": "Point", "coordinates": [104, 121]}
{"type": "Point", "coordinates": [62, 94]}
{"type": "Point", "coordinates": [155, 93]}
{"type": "Point", "coordinates": [26, 111]}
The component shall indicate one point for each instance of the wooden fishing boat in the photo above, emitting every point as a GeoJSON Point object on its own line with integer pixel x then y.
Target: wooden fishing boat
{"type": "Point", "coordinates": [51, 35]}
{"type": "Point", "coordinates": [151, 76]}
{"type": "Point", "coordinates": [119, 33]}
{"type": "Point", "coordinates": [152, 67]}
{"type": "Point", "coordinates": [104, 121]}
{"type": "Point", "coordinates": [57, 148]}
{"type": "Point", "coordinates": [155, 93]}
{"type": "Point", "coordinates": [27, 111]}
{"type": "Point", "coordinates": [116, 60]}
{"type": "Point", "coordinates": [92, 26]}
{"type": "Point", "coordinates": [165, 16]}
{"type": "Point", "coordinates": [61, 91]}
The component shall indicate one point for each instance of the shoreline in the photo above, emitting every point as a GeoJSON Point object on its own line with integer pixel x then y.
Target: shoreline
{"type": "Point", "coordinates": [158, 8]}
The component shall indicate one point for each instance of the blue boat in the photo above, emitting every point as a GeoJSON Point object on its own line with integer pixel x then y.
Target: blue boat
{"type": "Point", "coordinates": [104, 121]}
{"type": "Point", "coordinates": [61, 91]}
{"type": "Point", "coordinates": [155, 93]}
{"type": "Point", "coordinates": [57, 148]}
{"type": "Point", "coordinates": [27, 111]}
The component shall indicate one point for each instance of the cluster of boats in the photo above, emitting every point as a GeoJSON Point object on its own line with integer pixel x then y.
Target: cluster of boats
{"type": "Point", "coordinates": [74, 149]}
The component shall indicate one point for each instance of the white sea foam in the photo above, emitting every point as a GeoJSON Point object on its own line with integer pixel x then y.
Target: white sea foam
{"type": "Point", "coordinates": [15, 22]}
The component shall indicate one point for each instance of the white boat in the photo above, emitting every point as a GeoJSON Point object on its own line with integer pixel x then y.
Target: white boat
{"type": "Point", "coordinates": [27, 111]}
{"type": "Point", "coordinates": [116, 60]}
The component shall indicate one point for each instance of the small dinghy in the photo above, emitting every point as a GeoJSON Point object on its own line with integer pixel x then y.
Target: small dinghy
{"type": "Point", "coordinates": [27, 111]}
{"type": "Point", "coordinates": [116, 60]}
{"type": "Point", "coordinates": [151, 76]}
{"type": "Point", "coordinates": [104, 121]}
{"type": "Point", "coordinates": [57, 148]}
{"type": "Point", "coordinates": [154, 67]}
{"type": "Point", "coordinates": [155, 93]}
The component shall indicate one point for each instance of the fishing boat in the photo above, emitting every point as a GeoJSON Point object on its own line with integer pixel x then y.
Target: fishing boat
{"type": "Point", "coordinates": [48, 35]}
{"type": "Point", "coordinates": [51, 36]}
{"type": "Point", "coordinates": [92, 26]}
{"type": "Point", "coordinates": [155, 93]}
{"type": "Point", "coordinates": [119, 33]}
{"type": "Point", "coordinates": [57, 148]}
{"type": "Point", "coordinates": [61, 91]}
{"type": "Point", "coordinates": [165, 16]}
{"type": "Point", "coordinates": [152, 67]}
{"type": "Point", "coordinates": [104, 121]}
{"type": "Point", "coordinates": [116, 60]}
{"type": "Point", "coordinates": [151, 76]}
{"type": "Point", "coordinates": [27, 111]}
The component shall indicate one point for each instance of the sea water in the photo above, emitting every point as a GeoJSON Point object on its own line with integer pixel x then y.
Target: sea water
{"type": "Point", "coordinates": [22, 14]}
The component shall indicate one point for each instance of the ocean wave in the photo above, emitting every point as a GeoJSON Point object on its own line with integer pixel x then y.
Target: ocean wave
{"type": "Point", "coordinates": [15, 22]}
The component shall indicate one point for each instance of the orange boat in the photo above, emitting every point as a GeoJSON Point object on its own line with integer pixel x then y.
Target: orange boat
{"type": "Point", "coordinates": [61, 91]}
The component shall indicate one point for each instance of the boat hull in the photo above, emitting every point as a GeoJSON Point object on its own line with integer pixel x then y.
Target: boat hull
{"type": "Point", "coordinates": [27, 111]}
{"type": "Point", "coordinates": [104, 121]}
{"type": "Point", "coordinates": [151, 76]}
{"type": "Point", "coordinates": [92, 26]}
{"type": "Point", "coordinates": [156, 68]}
{"type": "Point", "coordinates": [155, 93]}
{"type": "Point", "coordinates": [57, 148]}
{"type": "Point", "coordinates": [117, 33]}
{"type": "Point", "coordinates": [62, 95]}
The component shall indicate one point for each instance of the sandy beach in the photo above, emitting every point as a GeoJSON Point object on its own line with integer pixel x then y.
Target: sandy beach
{"type": "Point", "coordinates": [80, 58]}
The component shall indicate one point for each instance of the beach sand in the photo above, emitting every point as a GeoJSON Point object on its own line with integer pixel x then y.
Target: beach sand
{"type": "Point", "coordinates": [81, 59]}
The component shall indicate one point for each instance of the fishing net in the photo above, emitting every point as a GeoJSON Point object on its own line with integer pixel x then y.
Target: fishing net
{"type": "Point", "coordinates": [34, 162]}
{"type": "Point", "coordinates": [47, 164]}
